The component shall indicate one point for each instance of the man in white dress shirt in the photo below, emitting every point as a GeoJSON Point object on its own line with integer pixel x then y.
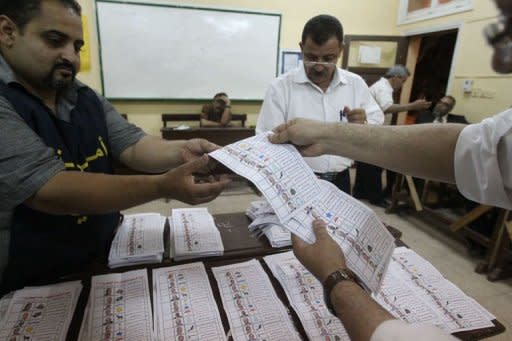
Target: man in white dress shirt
{"type": "Point", "coordinates": [477, 157]}
{"type": "Point", "coordinates": [368, 183]}
{"type": "Point", "coordinates": [319, 90]}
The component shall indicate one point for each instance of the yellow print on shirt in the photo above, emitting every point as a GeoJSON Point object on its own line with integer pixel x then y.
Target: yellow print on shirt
{"type": "Point", "coordinates": [101, 151]}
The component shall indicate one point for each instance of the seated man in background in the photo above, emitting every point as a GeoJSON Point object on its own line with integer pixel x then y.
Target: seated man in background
{"type": "Point", "coordinates": [441, 113]}
{"type": "Point", "coordinates": [59, 198]}
{"type": "Point", "coordinates": [218, 112]}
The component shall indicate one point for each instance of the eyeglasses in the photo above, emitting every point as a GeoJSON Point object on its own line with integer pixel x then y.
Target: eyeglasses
{"type": "Point", "coordinates": [220, 101]}
{"type": "Point", "coordinates": [326, 64]}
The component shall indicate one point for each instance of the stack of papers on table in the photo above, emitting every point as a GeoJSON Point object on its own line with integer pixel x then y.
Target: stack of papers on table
{"type": "Point", "coordinates": [139, 240]}
{"type": "Point", "coordinates": [184, 306]}
{"type": "Point", "coordinates": [194, 234]}
{"type": "Point", "coordinates": [253, 309]}
{"type": "Point", "coordinates": [119, 308]}
{"type": "Point", "coordinates": [39, 313]}
{"type": "Point", "coordinates": [266, 222]}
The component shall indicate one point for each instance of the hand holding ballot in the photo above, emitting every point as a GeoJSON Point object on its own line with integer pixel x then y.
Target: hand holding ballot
{"type": "Point", "coordinates": [321, 258]}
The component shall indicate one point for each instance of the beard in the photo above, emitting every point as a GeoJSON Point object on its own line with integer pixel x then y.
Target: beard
{"type": "Point", "coordinates": [55, 82]}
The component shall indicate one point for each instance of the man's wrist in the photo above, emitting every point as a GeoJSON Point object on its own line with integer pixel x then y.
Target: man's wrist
{"type": "Point", "coordinates": [342, 275]}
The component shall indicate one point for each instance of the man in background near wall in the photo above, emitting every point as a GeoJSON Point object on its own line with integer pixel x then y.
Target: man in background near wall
{"type": "Point", "coordinates": [442, 113]}
{"type": "Point", "coordinates": [59, 199]}
{"type": "Point", "coordinates": [477, 157]}
{"type": "Point", "coordinates": [218, 112]}
{"type": "Point", "coordinates": [318, 89]}
{"type": "Point", "coordinates": [368, 184]}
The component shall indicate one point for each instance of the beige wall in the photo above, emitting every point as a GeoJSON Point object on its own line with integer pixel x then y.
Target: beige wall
{"type": "Point", "coordinates": [357, 17]}
{"type": "Point", "coordinates": [472, 61]}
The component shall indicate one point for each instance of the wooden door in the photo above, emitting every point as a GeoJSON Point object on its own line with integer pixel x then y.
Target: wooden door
{"type": "Point", "coordinates": [393, 50]}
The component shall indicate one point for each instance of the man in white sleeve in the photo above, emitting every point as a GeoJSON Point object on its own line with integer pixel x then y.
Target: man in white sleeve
{"type": "Point", "coordinates": [476, 157]}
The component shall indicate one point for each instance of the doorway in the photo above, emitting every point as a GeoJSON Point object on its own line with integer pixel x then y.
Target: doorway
{"type": "Point", "coordinates": [433, 66]}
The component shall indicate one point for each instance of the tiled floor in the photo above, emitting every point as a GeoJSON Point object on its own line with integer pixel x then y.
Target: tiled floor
{"type": "Point", "coordinates": [446, 253]}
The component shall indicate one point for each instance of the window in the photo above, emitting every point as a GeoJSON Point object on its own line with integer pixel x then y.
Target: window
{"type": "Point", "coordinates": [416, 10]}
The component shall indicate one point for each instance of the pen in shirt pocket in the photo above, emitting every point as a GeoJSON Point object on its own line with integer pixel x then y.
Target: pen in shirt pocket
{"type": "Point", "coordinates": [343, 114]}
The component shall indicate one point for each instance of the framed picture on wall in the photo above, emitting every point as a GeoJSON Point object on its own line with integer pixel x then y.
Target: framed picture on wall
{"type": "Point", "coordinates": [290, 59]}
{"type": "Point", "coordinates": [416, 10]}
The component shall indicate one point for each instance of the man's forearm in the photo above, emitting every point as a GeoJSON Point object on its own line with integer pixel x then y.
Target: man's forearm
{"type": "Point", "coordinates": [394, 108]}
{"type": "Point", "coordinates": [426, 150]}
{"type": "Point", "coordinates": [208, 123]}
{"type": "Point", "coordinates": [153, 155]}
{"type": "Point", "coordinates": [92, 193]}
{"type": "Point", "coordinates": [358, 312]}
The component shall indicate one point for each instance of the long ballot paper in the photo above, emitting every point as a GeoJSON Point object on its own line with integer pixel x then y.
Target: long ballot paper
{"type": "Point", "coordinates": [40, 313]}
{"type": "Point", "coordinates": [414, 291]}
{"type": "Point", "coordinates": [306, 296]}
{"type": "Point", "coordinates": [184, 306]}
{"type": "Point", "coordinates": [119, 308]}
{"type": "Point", "coordinates": [298, 197]}
{"type": "Point", "coordinates": [254, 311]}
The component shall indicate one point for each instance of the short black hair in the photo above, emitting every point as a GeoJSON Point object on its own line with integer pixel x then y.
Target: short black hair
{"type": "Point", "coordinates": [321, 28]}
{"type": "Point", "coordinates": [220, 94]}
{"type": "Point", "coordinates": [22, 11]}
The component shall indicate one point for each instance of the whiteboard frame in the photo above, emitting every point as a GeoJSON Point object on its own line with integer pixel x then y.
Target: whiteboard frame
{"type": "Point", "coordinates": [156, 4]}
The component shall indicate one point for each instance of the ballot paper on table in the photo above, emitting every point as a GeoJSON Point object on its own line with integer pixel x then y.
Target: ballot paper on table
{"type": "Point", "coordinates": [119, 308]}
{"type": "Point", "coordinates": [298, 197]}
{"type": "Point", "coordinates": [184, 306]}
{"type": "Point", "coordinates": [194, 234]}
{"type": "Point", "coordinates": [138, 240]}
{"type": "Point", "coordinates": [252, 307]}
{"type": "Point", "coordinates": [265, 222]}
{"type": "Point", "coordinates": [414, 291]}
{"type": "Point", "coordinates": [39, 313]}
{"type": "Point", "coordinates": [306, 296]}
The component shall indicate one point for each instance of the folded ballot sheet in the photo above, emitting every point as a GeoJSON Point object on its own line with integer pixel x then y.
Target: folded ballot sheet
{"type": "Point", "coordinates": [194, 234]}
{"type": "Point", "coordinates": [265, 222]}
{"type": "Point", "coordinates": [138, 240]}
{"type": "Point", "coordinates": [119, 308]}
{"type": "Point", "coordinates": [39, 313]}
{"type": "Point", "coordinates": [298, 197]}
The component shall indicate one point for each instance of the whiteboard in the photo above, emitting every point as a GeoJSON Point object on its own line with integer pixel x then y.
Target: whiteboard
{"type": "Point", "coordinates": [160, 51]}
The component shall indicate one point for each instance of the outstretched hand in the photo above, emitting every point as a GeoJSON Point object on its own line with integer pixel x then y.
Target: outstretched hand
{"type": "Point", "coordinates": [180, 183]}
{"type": "Point", "coordinates": [196, 148]}
{"type": "Point", "coordinates": [304, 134]}
{"type": "Point", "coordinates": [321, 258]}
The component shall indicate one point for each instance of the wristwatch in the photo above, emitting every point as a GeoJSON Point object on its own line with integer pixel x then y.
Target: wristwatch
{"type": "Point", "coordinates": [331, 281]}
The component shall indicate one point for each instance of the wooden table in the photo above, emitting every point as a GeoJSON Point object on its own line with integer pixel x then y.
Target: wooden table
{"type": "Point", "coordinates": [239, 246]}
{"type": "Point", "coordinates": [220, 136]}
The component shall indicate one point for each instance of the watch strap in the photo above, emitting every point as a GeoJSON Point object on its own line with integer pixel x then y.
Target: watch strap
{"type": "Point", "coordinates": [331, 281]}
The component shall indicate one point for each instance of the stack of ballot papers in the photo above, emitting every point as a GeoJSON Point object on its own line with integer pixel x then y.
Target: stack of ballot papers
{"type": "Point", "coordinates": [253, 309]}
{"type": "Point", "coordinates": [39, 313]}
{"type": "Point", "coordinates": [119, 308]}
{"type": "Point", "coordinates": [298, 197]}
{"type": "Point", "coordinates": [138, 240]}
{"type": "Point", "coordinates": [194, 234]}
{"type": "Point", "coordinates": [266, 222]}
{"type": "Point", "coordinates": [184, 306]}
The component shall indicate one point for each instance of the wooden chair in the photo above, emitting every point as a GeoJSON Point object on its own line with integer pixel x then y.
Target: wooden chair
{"type": "Point", "coordinates": [239, 118]}
{"type": "Point", "coordinates": [178, 119]}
